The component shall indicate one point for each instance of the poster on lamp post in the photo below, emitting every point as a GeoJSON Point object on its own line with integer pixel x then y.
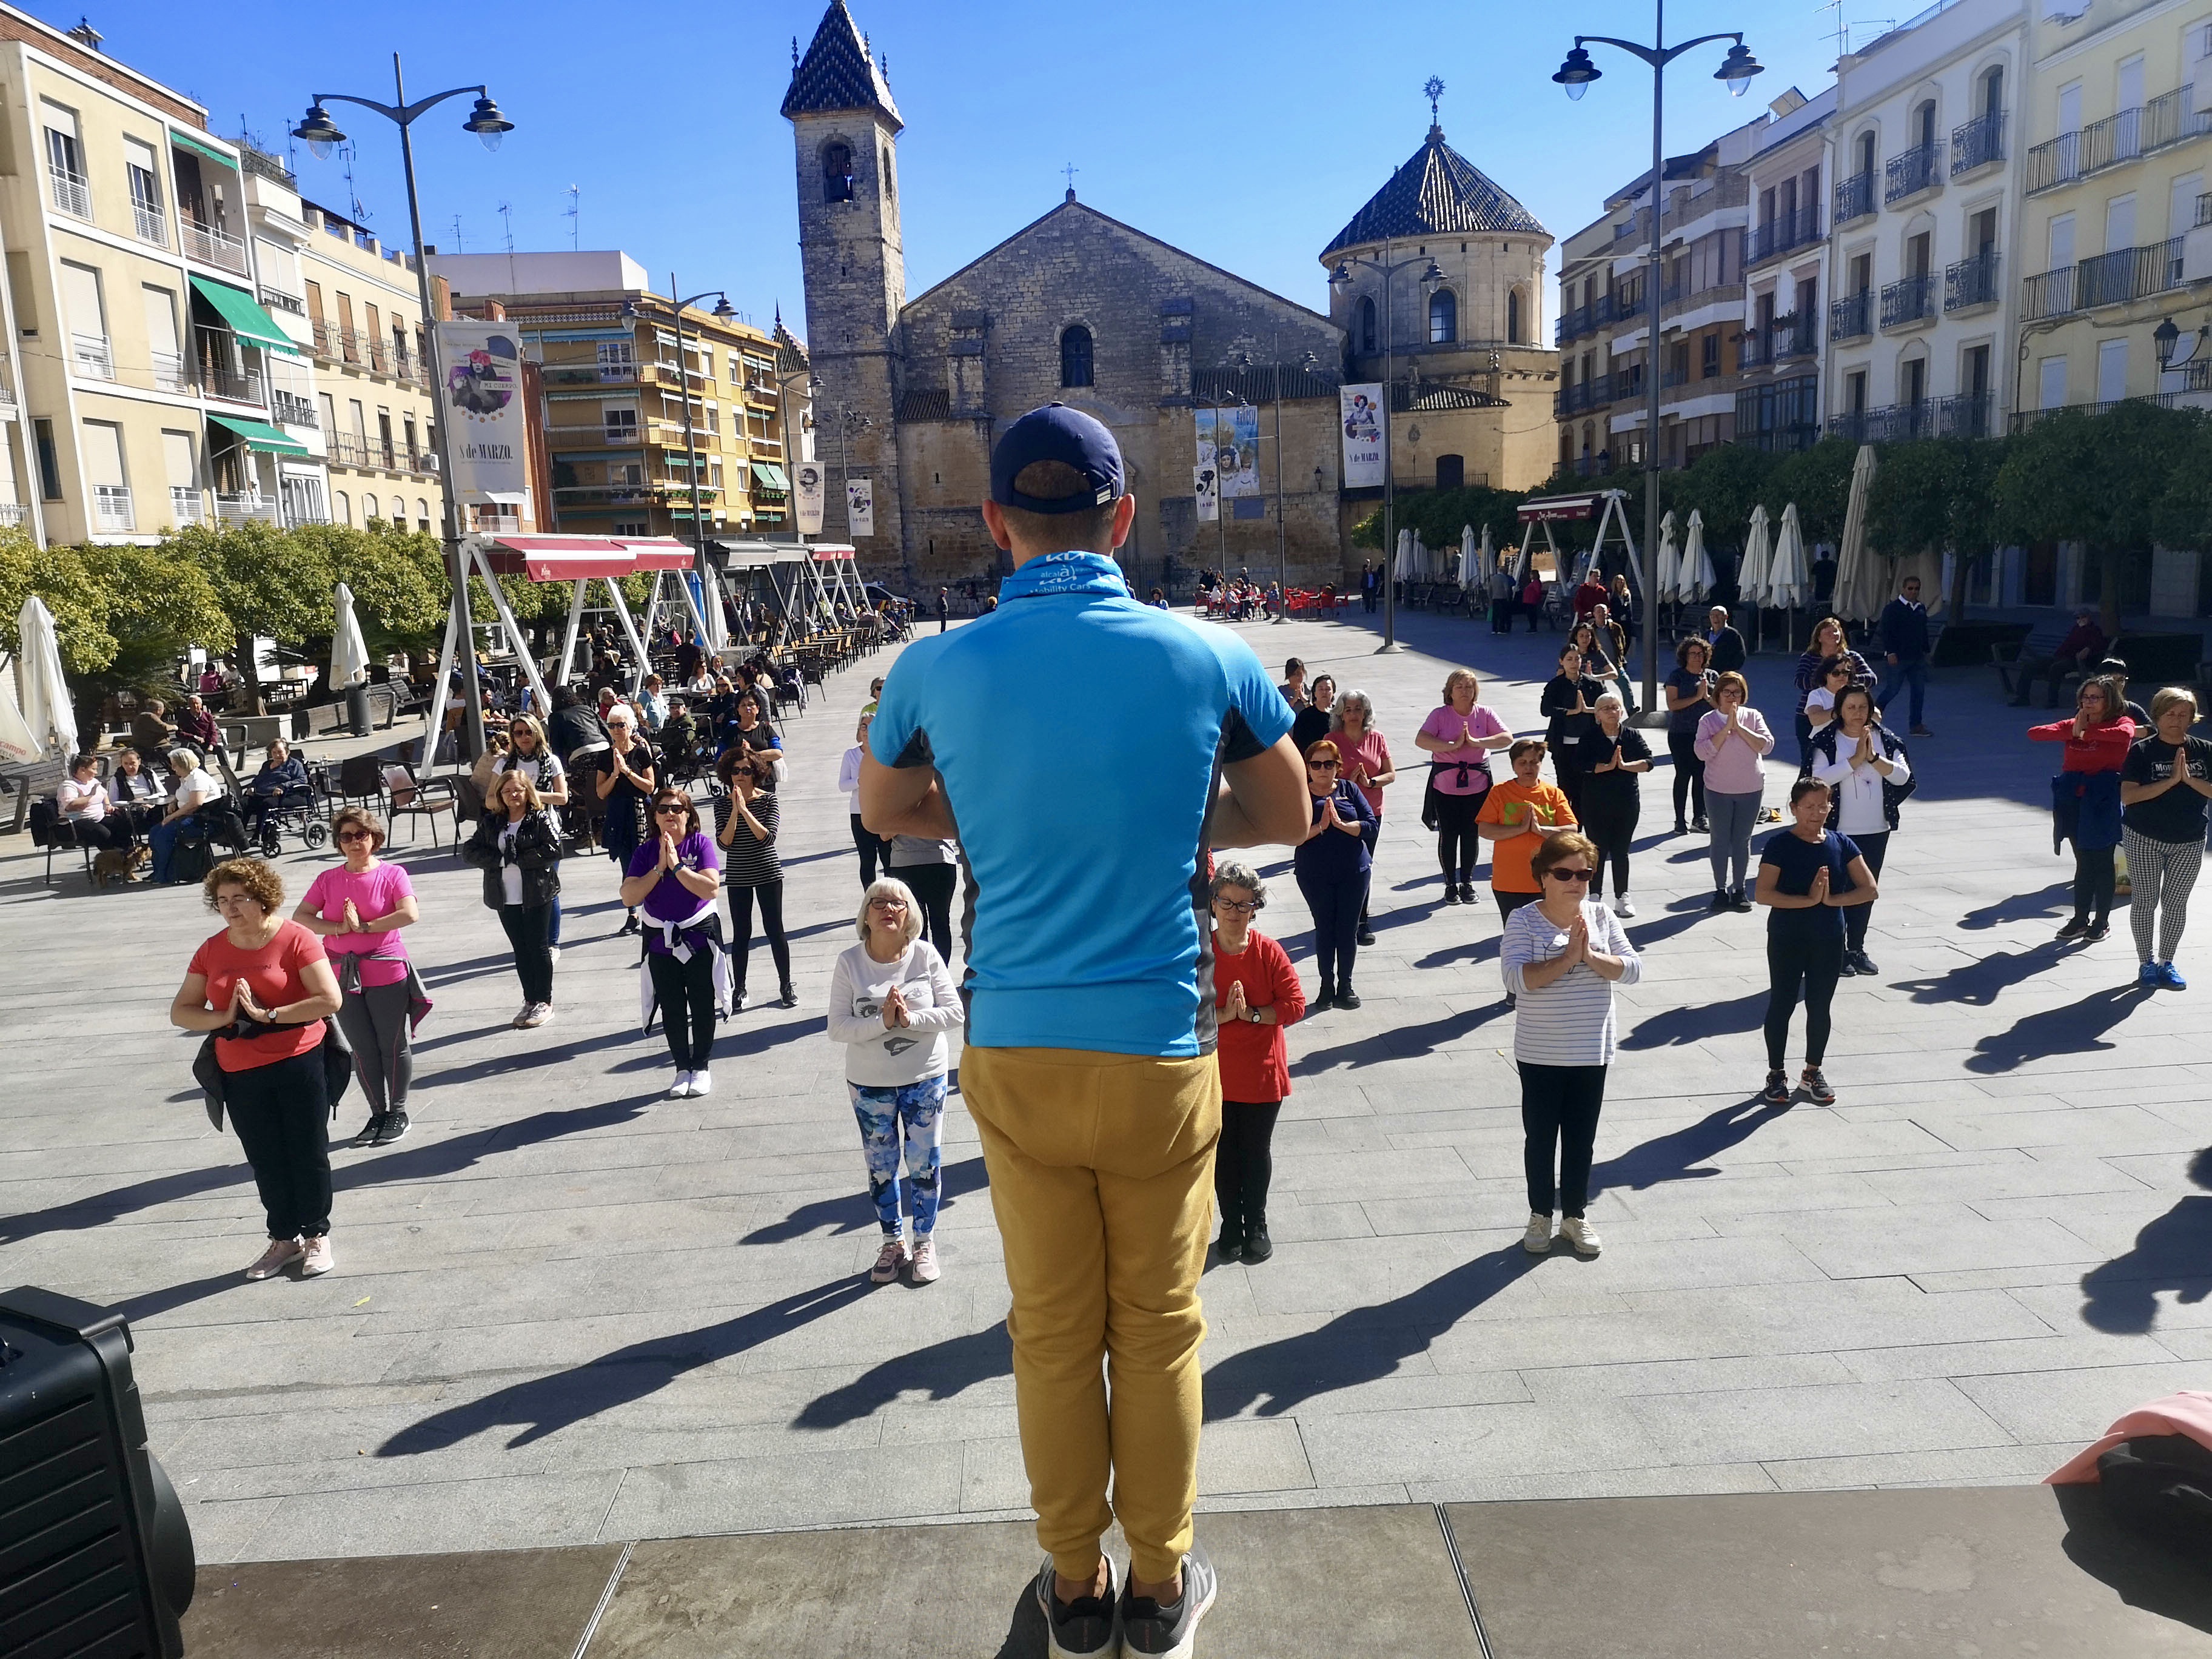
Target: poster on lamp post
{"type": "Point", "coordinates": [861, 506]}
{"type": "Point", "coordinates": [1229, 442]}
{"type": "Point", "coordinates": [808, 474]}
{"type": "Point", "coordinates": [1204, 485]}
{"type": "Point", "coordinates": [481, 403]}
{"type": "Point", "coordinates": [1361, 410]}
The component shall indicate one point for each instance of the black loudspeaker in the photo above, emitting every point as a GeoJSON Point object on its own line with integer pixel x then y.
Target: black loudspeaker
{"type": "Point", "coordinates": [95, 1555]}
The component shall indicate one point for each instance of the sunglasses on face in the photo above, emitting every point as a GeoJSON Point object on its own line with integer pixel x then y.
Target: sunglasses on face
{"type": "Point", "coordinates": [669, 813]}
{"type": "Point", "coordinates": [345, 836]}
{"type": "Point", "coordinates": [1324, 765]}
{"type": "Point", "coordinates": [1569, 875]}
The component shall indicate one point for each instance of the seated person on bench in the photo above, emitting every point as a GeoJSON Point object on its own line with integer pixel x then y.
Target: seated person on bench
{"type": "Point", "coordinates": [2077, 653]}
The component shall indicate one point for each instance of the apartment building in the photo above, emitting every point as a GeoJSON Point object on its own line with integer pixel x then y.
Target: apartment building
{"type": "Point", "coordinates": [1924, 150]}
{"type": "Point", "coordinates": [617, 385]}
{"type": "Point", "coordinates": [2115, 207]}
{"type": "Point", "coordinates": [138, 351]}
{"type": "Point", "coordinates": [361, 306]}
{"type": "Point", "coordinates": [1777, 403]}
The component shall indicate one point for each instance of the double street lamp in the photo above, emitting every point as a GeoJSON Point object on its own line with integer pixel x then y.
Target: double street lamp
{"type": "Point", "coordinates": [710, 610]}
{"type": "Point", "coordinates": [1575, 75]}
{"type": "Point", "coordinates": [321, 136]}
{"type": "Point", "coordinates": [1432, 279]}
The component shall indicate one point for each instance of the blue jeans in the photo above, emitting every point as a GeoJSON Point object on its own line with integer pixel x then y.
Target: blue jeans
{"type": "Point", "coordinates": [1915, 674]}
{"type": "Point", "coordinates": [919, 1108]}
{"type": "Point", "coordinates": [162, 840]}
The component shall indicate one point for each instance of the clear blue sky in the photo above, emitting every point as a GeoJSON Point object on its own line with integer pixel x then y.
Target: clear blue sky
{"type": "Point", "coordinates": [1248, 142]}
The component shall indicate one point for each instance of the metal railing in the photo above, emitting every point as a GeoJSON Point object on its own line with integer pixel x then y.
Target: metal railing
{"type": "Point", "coordinates": [172, 371]}
{"type": "Point", "coordinates": [112, 508]}
{"type": "Point", "coordinates": [13, 513]}
{"type": "Point", "coordinates": [72, 194]}
{"type": "Point", "coordinates": [2205, 209]}
{"type": "Point", "coordinates": [2123, 137]}
{"type": "Point", "coordinates": [2024, 418]}
{"type": "Point", "coordinates": [1908, 299]}
{"type": "Point", "coordinates": [92, 357]}
{"type": "Point", "coordinates": [1854, 197]}
{"type": "Point", "coordinates": [1970, 415]}
{"type": "Point", "coordinates": [1971, 282]}
{"type": "Point", "coordinates": [292, 410]}
{"type": "Point", "coordinates": [1978, 142]}
{"type": "Point", "coordinates": [1849, 318]}
{"type": "Point", "coordinates": [185, 506]}
{"type": "Point", "coordinates": [277, 299]}
{"type": "Point", "coordinates": [151, 224]}
{"type": "Point", "coordinates": [230, 383]}
{"type": "Point", "coordinates": [2106, 279]}
{"type": "Point", "coordinates": [214, 247]}
{"type": "Point", "coordinates": [1918, 168]}
{"type": "Point", "coordinates": [1799, 228]}
{"type": "Point", "coordinates": [1727, 192]}
{"type": "Point", "coordinates": [242, 508]}
{"type": "Point", "coordinates": [370, 352]}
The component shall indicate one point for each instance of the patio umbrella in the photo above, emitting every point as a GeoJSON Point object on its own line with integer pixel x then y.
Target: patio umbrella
{"type": "Point", "coordinates": [1469, 570]}
{"type": "Point", "coordinates": [1698, 560]}
{"type": "Point", "coordinates": [17, 746]}
{"type": "Point", "coordinates": [47, 710]}
{"type": "Point", "coordinates": [348, 650]}
{"type": "Point", "coordinates": [1489, 554]}
{"type": "Point", "coordinates": [1402, 567]}
{"type": "Point", "coordinates": [1669, 574]}
{"type": "Point", "coordinates": [1753, 577]}
{"type": "Point", "coordinates": [1789, 583]}
{"type": "Point", "coordinates": [1858, 582]}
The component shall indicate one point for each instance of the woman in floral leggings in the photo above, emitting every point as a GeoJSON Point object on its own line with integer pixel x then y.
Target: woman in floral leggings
{"type": "Point", "coordinates": [891, 1003]}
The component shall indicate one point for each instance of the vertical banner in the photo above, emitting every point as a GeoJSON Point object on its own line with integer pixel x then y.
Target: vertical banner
{"type": "Point", "coordinates": [1361, 409]}
{"type": "Point", "coordinates": [861, 506]}
{"type": "Point", "coordinates": [809, 477]}
{"type": "Point", "coordinates": [1229, 442]}
{"type": "Point", "coordinates": [1203, 485]}
{"type": "Point", "coordinates": [482, 405]}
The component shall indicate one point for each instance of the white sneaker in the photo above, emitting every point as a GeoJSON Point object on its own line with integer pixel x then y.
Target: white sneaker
{"type": "Point", "coordinates": [681, 1088]}
{"type": "Point", "coordinates": [701, 1084]}
{"type": "Point", "coordinates": [317, 1260]}
{"type": "Point", "coordinates": [1537, 1239]}
{"type": "Point", "coordinates": [537, 1014]}
{"type": "Point", "coordinates": [522, 1015]}
{"type": "Point", "coordinates": [1623, 906]}
{"type": "Point", "coordinates": [555, 952]}
{"type": "Point", "coordinates": [1578, 1232]}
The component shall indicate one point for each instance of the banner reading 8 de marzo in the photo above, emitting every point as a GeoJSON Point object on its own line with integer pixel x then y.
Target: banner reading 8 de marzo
{"type": "Point", "coordinates": [1361, 409]}
{"type": "Point", "coordinates": [482, 403]}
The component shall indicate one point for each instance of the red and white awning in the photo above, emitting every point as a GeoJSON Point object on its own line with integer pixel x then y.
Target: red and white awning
{"type": "Point", "coordinates": [583, 558]}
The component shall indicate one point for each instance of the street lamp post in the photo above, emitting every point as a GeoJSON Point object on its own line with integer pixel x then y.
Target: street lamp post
{"type": "Point", "coordinates": [1432, 278]}
{"type": "Point", "coordinates": [1282, 531]}
{"type": "Point", "coordinates": [321, 136]}
{"type": "Point", "coordinates": [1575, 74]}
{"type": "Point", "coordinates": [709, 612]}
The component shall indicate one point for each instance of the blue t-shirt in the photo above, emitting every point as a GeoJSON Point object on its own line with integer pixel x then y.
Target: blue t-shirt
{"type": "Point", "coordinates": [1083, 838]}
{"type": "Point", "coordinates": [1799, 861]}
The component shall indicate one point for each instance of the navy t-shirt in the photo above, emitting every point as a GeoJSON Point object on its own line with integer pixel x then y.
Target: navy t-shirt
{"type": "Point", "coordinates": [1799, 861]}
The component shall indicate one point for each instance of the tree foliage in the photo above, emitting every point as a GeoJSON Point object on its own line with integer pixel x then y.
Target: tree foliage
{"type": "Point", "coordinates": [1438, 516]}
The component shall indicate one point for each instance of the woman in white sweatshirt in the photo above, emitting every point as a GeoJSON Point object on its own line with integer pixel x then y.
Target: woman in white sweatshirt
{"type": "Point", "coordinates": [848, 779]}
{"type": "Point", "coordinates": [891, 1002]}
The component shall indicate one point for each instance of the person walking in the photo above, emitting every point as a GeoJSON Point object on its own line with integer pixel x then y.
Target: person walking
{"type": "Point", "coordinates": [1311, 723]}
{"type": "Point", "coordinates": [1256, 994]}
{"type": "Point", "coordinates": [1807, 876]}
{"type": "Point", "coordinates": [627, 779]}
{"type": "Point", "coordinates": [518, 847]}
{"type": "Point", "coordinates": [2164, 784]}
{"type": "Point", "coordinates": [1570, 704]}
{"type": "Point", "coordinates": [1611, 798]}
{"type": "Point", "coordinates": [1728, 654]}
{"type": "Point", "coordinates": [1334, 874]}
{"type": "Point", "coordinates": [357, 909]}
{"type": "Point", "coordinates": [1504, 598]}
{"type": "Point", "coordinates": [1561, 956]}
{"type": "Point", "coordinates": [848, 779]}
{"type": "Point", "coordinates": [529, 752]}
{"type": "Point", "coordinates": [1904, 633]}
{"type": "Point", "coordinates": [262, 988]}
{"type": "Point", "coordinates": [1868, 774]}
{"type": "Point", "coordinates": [1088, 1067]}
{"type": "Point", "coordinates": [1367, 768]}
{"type": "Point", "coordinates": [1689, 691]}
{"type": "Point", "coordinates": [1458, 737]}
{"type": "Point", "coordinates": [944, 607]}
{"type": "Point", "coordinates": [747, 815]}
{"type": "Point", "coordinates": [1514, 818]}
{"type": "Point", "coordinates": [1829, 639]}
{"type": "Point", "coordinates": [892, 1004]}
{"type": "Point", "coordinates": [2086, 803]}
{"type": "Point", "coordinates": [1370, 586]}
{"type": "Point", "coordinates": [673, 881]}
{"type": "Point", "coordinates": [1732, 741]}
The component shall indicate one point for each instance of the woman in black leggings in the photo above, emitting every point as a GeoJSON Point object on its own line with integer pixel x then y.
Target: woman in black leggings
{"type": "Point", "coordinates": [1458, 737]}
{"type": "Point", "coordinates": [1615, 757]}
{"type": "Point", "coordinates": [1689, 700]}
{"type": "Point", "coordinates": [745, 820]}
{"type": "Point", "coordinates": [1808, 875]}
{"type": "Point", "coordinates": [932, 869]}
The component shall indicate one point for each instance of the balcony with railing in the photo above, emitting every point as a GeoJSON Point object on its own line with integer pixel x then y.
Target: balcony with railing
{"type": "Point", "coordinates": [1784, 234]}
{"type": "Point", "coordinates": [1970, 415]}
{"type": "Point", "coordinates": [92, 357]}
{"type": "Point", "coordinates": [276, 299]}
{"type": "Point", "coordinates": [112, 509]}
{"type": "Point", "coordinates": [72, 192]}
{"type": "Point", "coordinates": [361, 350]}
{"type": "Point", "coordinates": [290, 408]}
{"type": "Point", "coordinates": [1854, 197]}
{"type": "Point", "coordinates": [228, 370]}
{"type": "Point", "coordinates": [14, 514]}
{"type": "Point", "coordinates": [1908, 300]}
{"type": "Point", "coordinates": [172, 371]}
{"type": "Point", "coordinates": [1978, 143]}
{"type": "Point", "coordinates": [245, 506]}
{"type": "Point", "coordinates": [2107, 279]}
{"type": "Point", "coordinates": [1971, 282]}
{"type": "Point", "coordinates": [186, 505]}
{"type": "Point", "coordinates": [1730, 192]}
{"type": "Point", "coordinates": [1917, 171]}
{"type": "Point", "coordinates": [150, 223]}
{"type": "Point", "coordinates": [2125, 136]}
{"type": "Point", "coordinates": [1852, 317]}
{"type": "Point", "coordinates": [211, 246]}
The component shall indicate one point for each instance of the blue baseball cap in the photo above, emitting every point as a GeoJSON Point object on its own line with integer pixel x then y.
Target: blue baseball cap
{"type": "Point", "coordinates": [1057, 433]}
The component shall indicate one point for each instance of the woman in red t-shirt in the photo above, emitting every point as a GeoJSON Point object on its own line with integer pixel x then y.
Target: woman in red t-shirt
{"type": "Point", "coordinates": [266, 982]}
{"type": "Point", "coordinates": [1255, 994]}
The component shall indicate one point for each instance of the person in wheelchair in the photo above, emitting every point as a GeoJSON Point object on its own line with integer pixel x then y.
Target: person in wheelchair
{"type": "Point", "coordinates": [686, 742]}
{"type": "Point", "coordinates": [281, 784]}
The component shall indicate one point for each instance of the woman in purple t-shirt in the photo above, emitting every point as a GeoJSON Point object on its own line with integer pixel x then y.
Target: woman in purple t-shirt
{"type": "Point", "coordinates": [1458, 737]}
{"type": "Point", "coordinates": [673, 880]}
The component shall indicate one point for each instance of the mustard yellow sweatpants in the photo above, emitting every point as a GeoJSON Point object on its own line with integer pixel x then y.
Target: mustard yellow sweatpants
{"type": "Point", "coordinates": [1102, 1177]}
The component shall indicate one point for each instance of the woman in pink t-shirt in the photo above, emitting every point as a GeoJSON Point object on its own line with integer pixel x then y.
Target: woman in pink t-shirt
{"type": "Point", "coordinates": [1458, 737]}
{"type": "Point", "coordinates": [1366, 766]}
{"type": "Point", "coordinates": [358, 909]}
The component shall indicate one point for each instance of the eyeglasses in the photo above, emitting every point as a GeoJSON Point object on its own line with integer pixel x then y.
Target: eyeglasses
{"type": "Point", "coordinates": [1236, 906]}
{"type": "Point", "coordinates": [887, 904]}
{"type": "Point", "coordinates": [345, 836]}
{"type": "Point", "coordinates": [1325, 766]}
{"type": "Point", "coordinates": [672, 811]}
{"type": "Point", "coordinates": [1569, 875]}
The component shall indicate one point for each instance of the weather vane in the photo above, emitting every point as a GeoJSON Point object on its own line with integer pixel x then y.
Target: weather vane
{"type": "Point", "coordinates": [1434, 90]}
{"type": "Point", "coordinates": [1071, 170]}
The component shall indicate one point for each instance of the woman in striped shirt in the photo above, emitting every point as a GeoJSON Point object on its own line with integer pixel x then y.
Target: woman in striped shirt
{"type": "Point", "coordinates": [1562, 956]}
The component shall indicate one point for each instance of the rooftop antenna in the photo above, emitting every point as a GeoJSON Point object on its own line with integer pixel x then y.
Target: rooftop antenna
{"type": "Point", "coordinates": [457, 233]}
{"type": "Point", "coordinates": [574, 216]}
{"type": "Point", "coordinates": [354, 204]}
{"type": "Point", "coordinates": [507, 218]}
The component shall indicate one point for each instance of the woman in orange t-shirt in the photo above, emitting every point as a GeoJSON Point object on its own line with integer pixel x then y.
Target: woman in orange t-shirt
{"type": "Point", "coordinates": [265, 983]}
{"type": "Point", "coordinates": [1516, 817]}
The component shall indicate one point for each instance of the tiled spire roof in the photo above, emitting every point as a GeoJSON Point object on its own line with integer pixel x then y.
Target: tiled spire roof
{"type": "Point", "coordinates": [1437, 192]}
{"type": "Point", "coordinates": [838, 72]}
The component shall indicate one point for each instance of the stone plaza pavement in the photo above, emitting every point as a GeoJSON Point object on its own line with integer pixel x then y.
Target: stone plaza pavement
{"type": "Point", "coordinates": [568, 1312]}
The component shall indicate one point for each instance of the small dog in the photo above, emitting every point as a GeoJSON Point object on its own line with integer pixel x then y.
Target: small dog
{"type": "Point", "coordinates": [115, 863]}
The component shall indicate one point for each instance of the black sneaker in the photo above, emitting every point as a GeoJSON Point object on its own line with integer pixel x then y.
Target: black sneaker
{"type": "Point", "coordinates": [1467, 892]}
{"type": "Point", "coordinates": [1230, 1247]}
{"type": "Point", "coordinates": [395, 1128]}
{"type": "Point", "coordinates": [631, 923]}
{"type": "Point", "coordinates": [1720, 900]}
{"type": "Point", "coordinates": [1347, 998]}
{"type": "Point", "coordinates": [1451, 895]}
{"type": "Point", "coordinates": [1082, 1628]}
{"type": "Point", "coordinates": [788, 997]}
{"type": "Point", "coordinates": [368, 1131]}
{"type": "Point", "coordinates": [1365, 936]}
{"type": "Point", "coordinates": [1816, 1087]}
{"type": "Point", "coordinates": [1168, 1632]}
{"type": "Point", "coordinates": [2098, 930]}
{"type": "Point", "coordinates": [1740, 901]}
{"type": "Point", "coordinates": [1258, 1246]}
{"type": "Point", "coordinates": [1861, 962]}
{"type": "Point", "coordinates": [2073, 930]}
{"type": "Point", "coordinates": [1777, 1092]}
{"type": "Point", "coordinates": [1703, 826]}
{"type": "Point", "coordinates": [1849, 969]}
{"type": "Point", "coordinates": [1680, 827]}
{"type": "Point", "coordinates": [1326, 997]}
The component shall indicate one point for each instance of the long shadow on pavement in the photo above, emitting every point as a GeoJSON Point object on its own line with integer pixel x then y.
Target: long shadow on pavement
{"type": "Point", "coordinates": [1405, 1042]}
{"type": "Point", "coordinates": [1676, 1155]}
{"type": "Point", "coordinates": [853, 1214]}
{"type": "Point", "coordinates": [1674, 1028]}
{"type": "Point", "coordinates": [1978, 984]}
{"type": "Point", "coordinates": [2020, 907]}
{"type": "Point", "coordinates": [941, 1370]}
{"type": "Point", "coordinates": [2078, 1028]}
{"type": "Point", "coordinates": [2172, 1253]}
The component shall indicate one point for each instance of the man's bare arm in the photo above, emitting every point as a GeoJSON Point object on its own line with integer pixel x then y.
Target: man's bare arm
{"type": "Point", "coordinates": [905, 800]}
{"type": "Point", "coordinates": [1264, 801]}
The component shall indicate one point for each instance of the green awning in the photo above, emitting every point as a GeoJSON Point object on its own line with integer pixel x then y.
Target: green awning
{"type": "Point", "coordinates": [259, 434]}
{"type": "Point", "coordinates": [247, 319]}
{"type": "Point", "coordinates": [199, 148]}
{"type": "Point", "coordinates": [768, 475]}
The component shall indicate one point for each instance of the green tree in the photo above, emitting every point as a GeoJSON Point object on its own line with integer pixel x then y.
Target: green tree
{"type": "Point", "coordinates": [1819, 480]}
{"type": "Point", "coordinates": [66, 580]}
{"type": "Point", "coordinates": [396, 578]}
{"type": "Point", "coordinates": [271, 583]}
{"type": "Point", "coordinates": [2182, 516]}
{"type": "Point", "coordinates": [1724, 485]}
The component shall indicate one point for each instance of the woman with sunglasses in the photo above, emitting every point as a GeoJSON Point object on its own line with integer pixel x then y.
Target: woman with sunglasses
{"type": "Point", "coordinates": [1256, 994]}
{"type": "Point", "coordinates": [626, 782]}
{"type": "Point", "coordinates": [518, 850]}
{"type": "Point", "coordinates": [1829, 639]}
{"type": "Point", "coordinates": [1332, 865]}
{"type": "Point", "coordinates": [1808, 875]}
{"type": "Point", "coordinates": [746, 817]}
{"type": "Point", "coordinates": [527, 751]}
{"type": "Point", "coordinates": [675, 878]}
{"type": "Point", "coordinates": [1561, 956]}
{"type": "Point", "coordinates": [2086, 800]}
{"type": "Point", "coordinates": [357, 910]}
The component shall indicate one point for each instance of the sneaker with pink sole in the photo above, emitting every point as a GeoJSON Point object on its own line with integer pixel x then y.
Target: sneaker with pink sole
{"type": "Point", "coordinates": [317, 1258]}
{"type": "Point", "coordinates": [888, 1260]}
{"type": "Point", "coordinates": [925, 1269]}
{"type": "Point", "coordinates": [274, 1260]}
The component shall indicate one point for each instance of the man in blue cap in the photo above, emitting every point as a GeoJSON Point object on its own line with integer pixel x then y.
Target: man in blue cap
{"type": "Point", "coordinates": [1088, 1067]}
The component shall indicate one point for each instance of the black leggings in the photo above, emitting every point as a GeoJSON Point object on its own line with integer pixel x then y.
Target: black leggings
{"type": "Point", "coordinates": [1817, 962]}
{"type": "Point", "coordinates": [525, 925]}
{"type": "Point", "coordinates": [2095, 878]}
{"type": "Point", "coordinates": [1612, 825]}
{"type": "Point", "coordinates": [1371, 835]}
{"type": "Point", "coordinates": [1459, 844]}
{"type": "Point", "coordinates": [1689, 774]}
{"type": "Point", "coordinates": [685, 991]}
{"type": "Point", "coordinates": [1242, 1163]}
{"type": "Point", "coordinates": [770, 894]}
{"type": "Point", "coordinates": [1559, 1106]}
{"type": "Point", "coordinates": [1872, 849]}
{"type": "Point", "coordinates": [872, 848]}
{"type": "Point", "coordinates": [933, 885]}
{"type": "Point", "coordinates": [283, 1119]}
{"type": "Point", "coordinates": [1336, 905]}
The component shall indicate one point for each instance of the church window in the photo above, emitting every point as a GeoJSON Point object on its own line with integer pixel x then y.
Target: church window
{"type": "Point", "coordinates": [1367, 323]}
{"type": "Point", "coordinates": [837, 173]}
{"type": "Point", "coordinates": [1443, 317]}
{"type": "Point", "coordinates": [1513, 316]}
{"type": "Point", "coordinates": [1075, 356]}
{"type": "Point", "coordinates": [889, 190]}
{"type": "Point", "coordinates": [1451, 471]}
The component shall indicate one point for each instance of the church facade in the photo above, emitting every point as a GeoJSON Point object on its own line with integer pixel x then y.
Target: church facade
{"type": "Point", "coordinates": [1159, 346]}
